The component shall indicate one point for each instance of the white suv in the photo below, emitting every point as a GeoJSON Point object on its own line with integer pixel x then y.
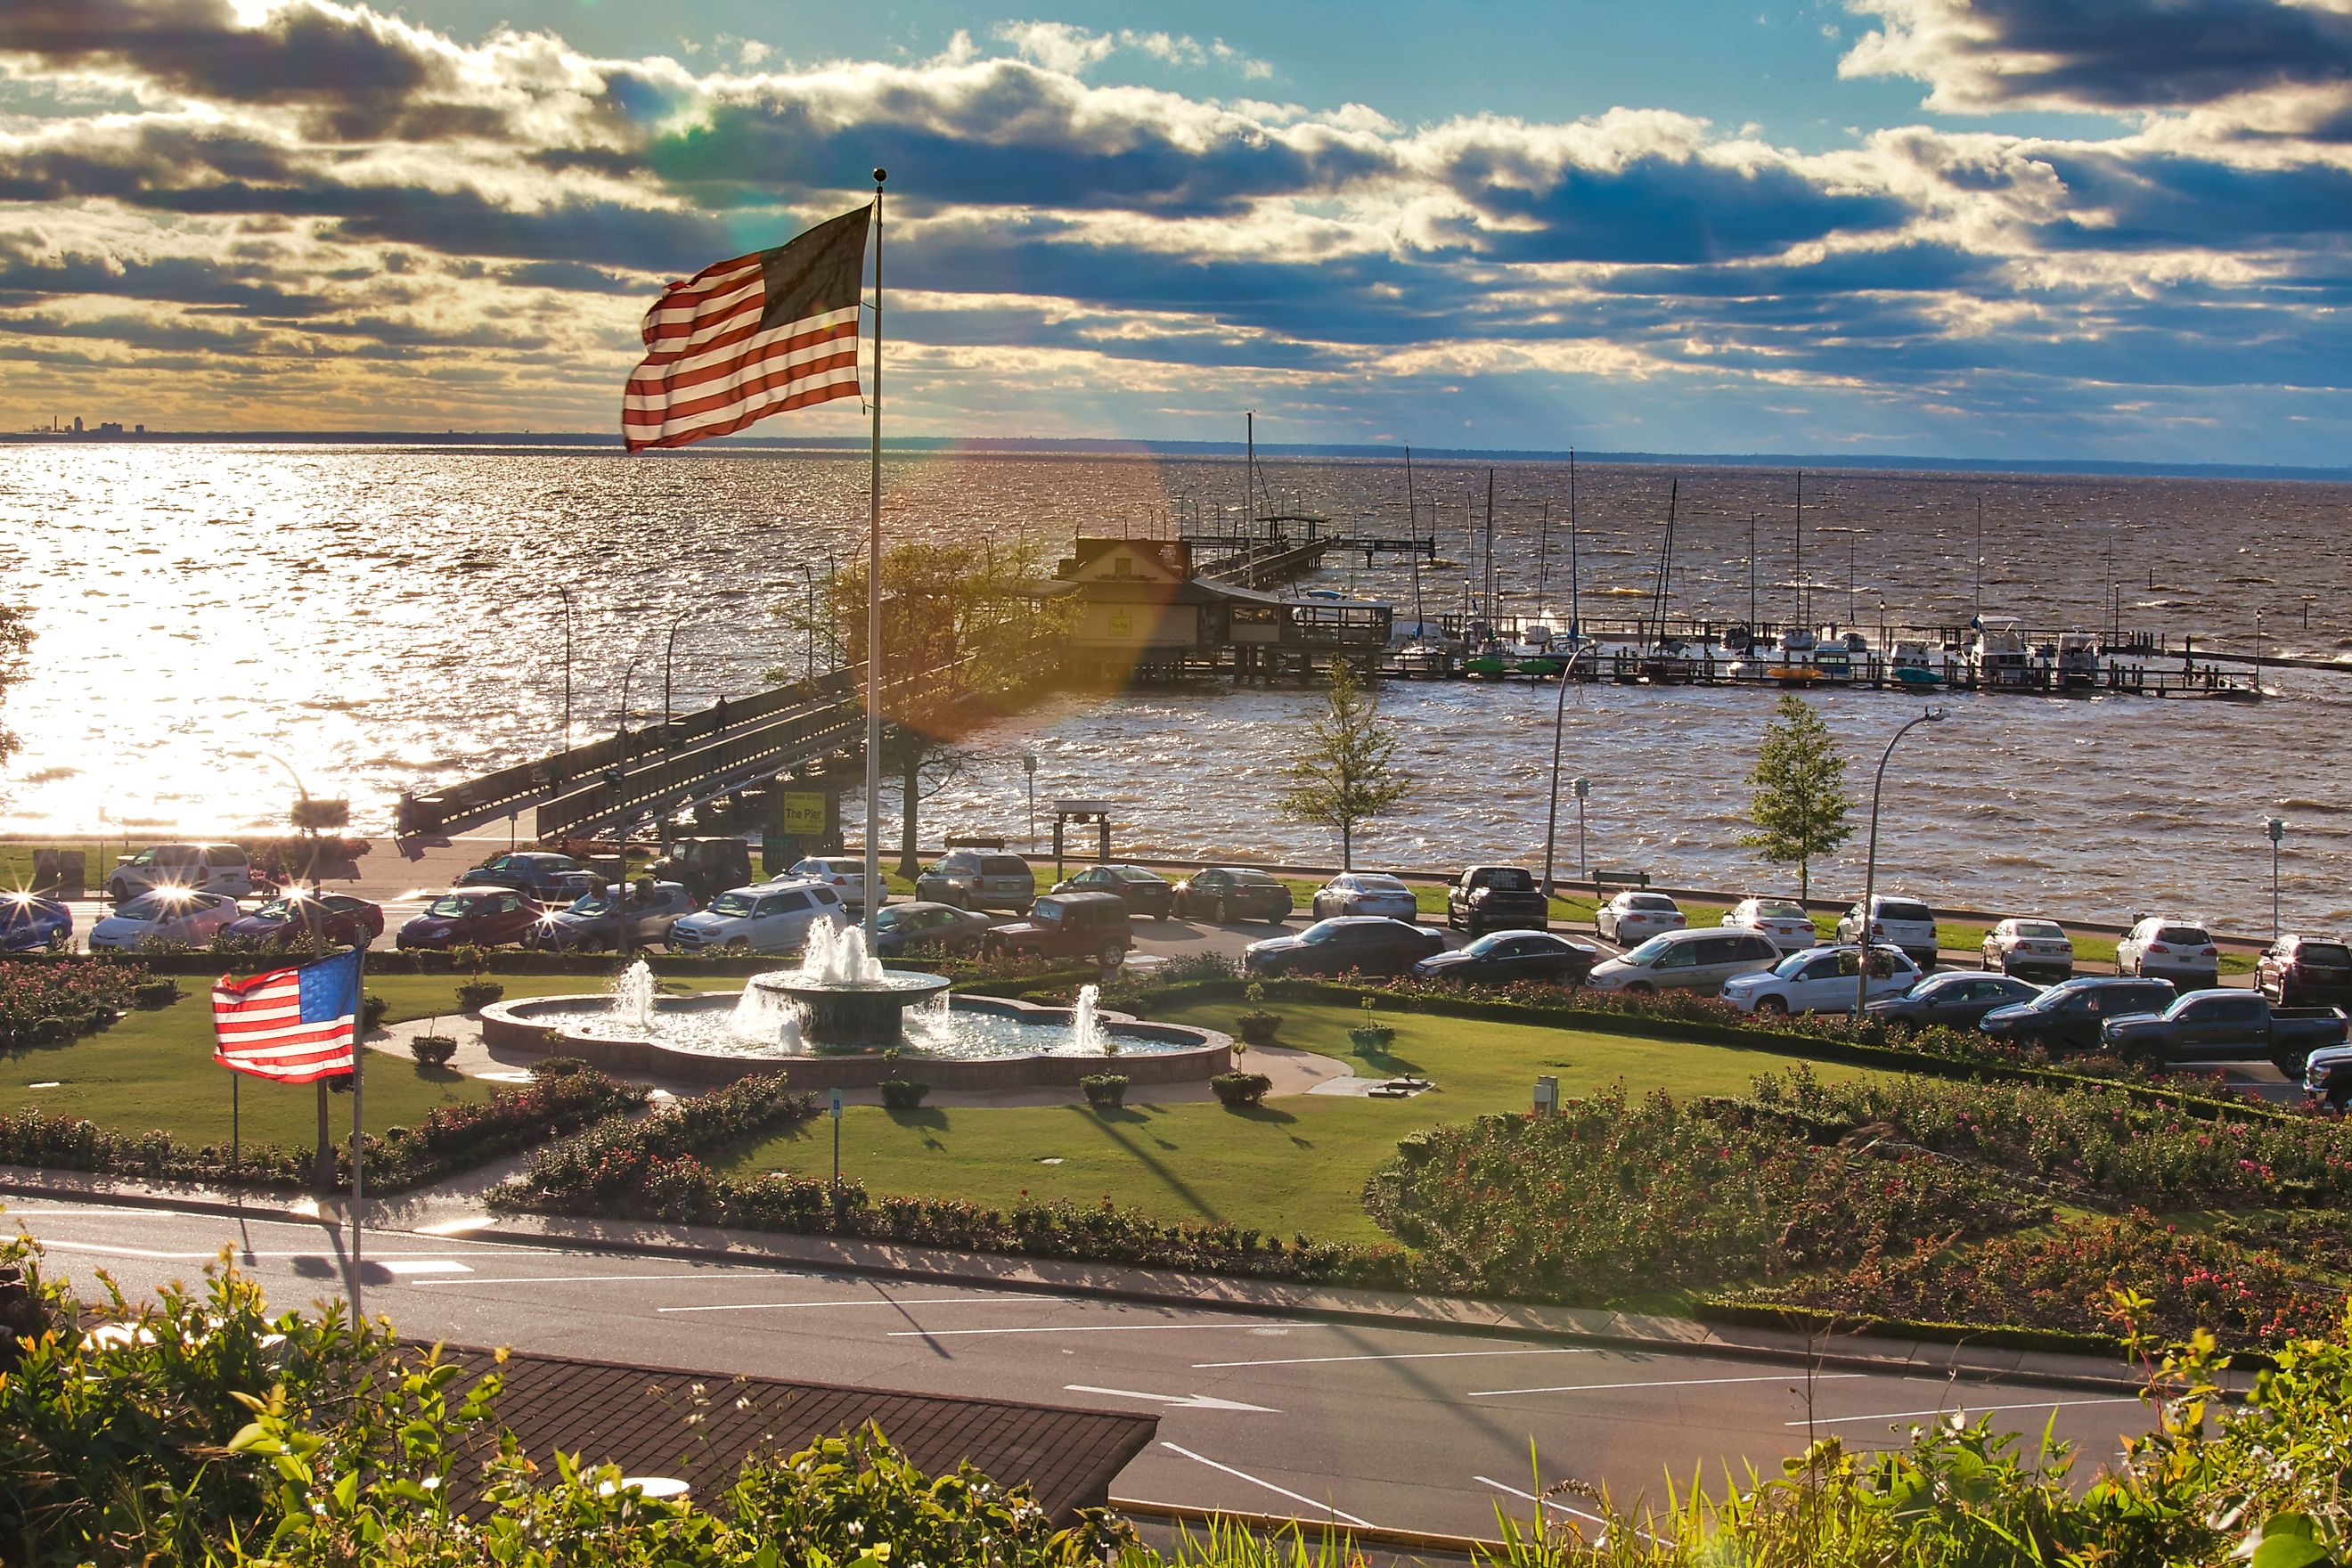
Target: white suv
{"type": "Point", "coordinates": [845, 874]}
{"type": "Point", "coordinates": [1820, 980]}
{"type": "Point", "coordinates": [200, 868]}
{"type": "Point", "coordinates": [773, 917]}
{"type": "Point", "coordinates": [2175, 950]}
{"type": "Point", "coordinates": [1899, 922]}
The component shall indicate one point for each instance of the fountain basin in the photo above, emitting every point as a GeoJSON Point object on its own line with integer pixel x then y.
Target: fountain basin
{"type": "Point", "coordinates": [691, 1041]}
{"type": "Point", "coordinates": [853, 1012]}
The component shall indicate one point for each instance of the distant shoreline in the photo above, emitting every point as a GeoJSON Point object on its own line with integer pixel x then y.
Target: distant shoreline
{"type": "Point", "coordinates": [527, 440]}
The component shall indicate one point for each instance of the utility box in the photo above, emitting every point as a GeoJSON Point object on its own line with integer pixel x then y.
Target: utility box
{"type": "Point", "coordinates": [60, 873]}
{"type": "Point", "coordinates": [1547, 1095]}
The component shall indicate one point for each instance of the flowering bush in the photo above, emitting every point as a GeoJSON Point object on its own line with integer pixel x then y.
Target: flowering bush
{"type": "Point", "coordinates": [616, 1159]}
{"type": "Point", "coordinates": [2067, 1279]}
{"type": "Point", "coordinates": [43, 1002]}
{"type": "Point", "coordinates": [1607, 1197]}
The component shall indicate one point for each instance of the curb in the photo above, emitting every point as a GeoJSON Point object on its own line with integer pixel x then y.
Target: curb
{"type": "Point", "coordinates": [13, 1186]}
{"type": "Point", "coordinates": [1476, 1547]}
{"type": "Point", "coordinates": [1853, 1359]}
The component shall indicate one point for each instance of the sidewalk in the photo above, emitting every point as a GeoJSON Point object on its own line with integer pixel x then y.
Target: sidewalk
{"type": "Point", "coordinates": [454, 1209]}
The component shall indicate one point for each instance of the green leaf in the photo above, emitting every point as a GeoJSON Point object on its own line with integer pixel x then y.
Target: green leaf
{"type": "Point", "coordinates": [2289, 1540]}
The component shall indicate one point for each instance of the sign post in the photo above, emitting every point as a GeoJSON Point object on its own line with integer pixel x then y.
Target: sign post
{"type": "Point", "coordinates": [837, 1156]}
{"type": "Point", "coordinates": [1029, 766]}
{"type": "Point", "coordinates": [1583, 861]}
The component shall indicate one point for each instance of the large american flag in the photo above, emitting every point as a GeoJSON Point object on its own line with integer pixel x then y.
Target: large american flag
{"type": "Point", "coordinates": [296, 1025]}
{"type": "Point", "coordinates": [750, 337]}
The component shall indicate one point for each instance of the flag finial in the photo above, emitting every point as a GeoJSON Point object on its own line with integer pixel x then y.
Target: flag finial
{"type": "Point", "coordinates": [880, 176]}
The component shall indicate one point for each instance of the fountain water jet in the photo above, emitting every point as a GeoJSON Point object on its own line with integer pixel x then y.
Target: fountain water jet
{"type": "Point", "coordinates": [634, 990]}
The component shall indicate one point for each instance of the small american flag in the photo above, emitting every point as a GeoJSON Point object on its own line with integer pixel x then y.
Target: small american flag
{"type": "Point", "coordinates": [744, 339]}
{"type": "Point", "coordinates": [296, 1025]}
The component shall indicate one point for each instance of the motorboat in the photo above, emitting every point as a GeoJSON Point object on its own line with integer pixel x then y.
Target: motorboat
{"type": "Point", "coordinates": [1911, 663]}
{"type": "Point", "coordinates": [1996, 656]}
{"type": "Point", "coordinates": [1791, 659]}
{"type": "Point", "coordinates": [2078, 661]}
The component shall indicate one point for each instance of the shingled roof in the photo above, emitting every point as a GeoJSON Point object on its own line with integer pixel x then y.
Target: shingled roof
{"type": "Point", "coordinates": [636, 1417]}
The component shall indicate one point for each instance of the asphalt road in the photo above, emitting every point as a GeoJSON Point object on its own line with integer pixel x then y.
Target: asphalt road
{"type": "Point", "coordinates": [1400, 1428]}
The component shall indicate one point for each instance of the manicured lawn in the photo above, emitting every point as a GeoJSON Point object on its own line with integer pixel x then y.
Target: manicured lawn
{"type": "Point", "coordinates": [1296, 1165]}
{"type": "Point", "coordinates": [155, 1072]}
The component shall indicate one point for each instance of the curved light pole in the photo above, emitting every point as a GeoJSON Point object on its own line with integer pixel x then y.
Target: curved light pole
{"type": "Point", "coordinates": [1870, 867]}
{"type": "Point", "coordinates": [670, 733]}
{"type": "Point", "coordinates": [1559, 717]}
{"type": "Point", "coordinates": [565, 594]}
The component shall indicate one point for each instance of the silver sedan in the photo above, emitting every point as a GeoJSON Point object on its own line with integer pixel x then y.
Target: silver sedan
{"type": "Point", "coordinates": [1365, 893]}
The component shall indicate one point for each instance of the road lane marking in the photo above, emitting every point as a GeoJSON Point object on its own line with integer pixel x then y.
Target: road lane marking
{"type": "Point", "coordinates": [209, 1254]}
{"type": "Point", "coordinates": [458, 1227]}
{"type": "Point", "coordinates": [705, 1275]}
{"type": "Point", "coordinates": [1564, 1507]}
{"type": "Point", "coordinates": [1099, 1329]}
{"type": "Point", "coordinates": [425, 1266]}
{"type": "Point", "coordinates": [1675, 1382]}
{"type": "Point", "coordinates": [1401, 1355]}
{"type": "Point", "coordinates": [1279, 1491]}
{"type": "Point", "coordinates": [882, 1301]}
{"type": "Point", "coordinates": [1182, 1401]}
{"type": "Point", "coordinates": [1961, 1410]}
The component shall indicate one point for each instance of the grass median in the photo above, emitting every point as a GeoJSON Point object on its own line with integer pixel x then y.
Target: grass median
{"type": "Point", "coordinates": [1298, 1165]}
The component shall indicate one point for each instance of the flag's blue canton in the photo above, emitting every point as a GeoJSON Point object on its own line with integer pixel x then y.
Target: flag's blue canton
{"type": "Point", "coordinates": [331, 988]}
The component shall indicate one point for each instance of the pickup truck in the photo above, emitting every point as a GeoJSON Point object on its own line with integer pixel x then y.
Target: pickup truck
{"type": "Point", "coordinates": [2328, 1075]}
{"type": "Point", "coordinates": [1497, 898]}
{"type": "Point", "coordinates": [2227, 1026]}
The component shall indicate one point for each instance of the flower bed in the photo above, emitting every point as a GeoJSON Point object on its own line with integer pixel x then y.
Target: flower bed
{"type": "Point", "coordinates": [1608, 1198]}
{"type": "Point", "coordinates": [619, 1160]}
{"type": "Point", "coordinates": [450, 1138]}
{"type": "Point", "coordinates": [46, 1002]}
{"type": "Point", "coordinates": [2067, 1279]}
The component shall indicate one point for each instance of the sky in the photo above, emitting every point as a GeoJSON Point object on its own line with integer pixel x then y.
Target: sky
{"type": "Point", "coordinates": [2067, 229]}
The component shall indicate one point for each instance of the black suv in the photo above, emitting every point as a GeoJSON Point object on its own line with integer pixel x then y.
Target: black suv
{"type": "Point", "coordinates": [1066, 925]}
{"type": "Point", "coordinates": [1148, 895]}
{"type": "Point", "coordinates": [2073, 1015]}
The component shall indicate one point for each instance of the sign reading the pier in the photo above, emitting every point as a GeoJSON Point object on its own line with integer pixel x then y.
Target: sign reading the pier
{"type": "Point", "coordinates": [1122, 623]}
{"type": "Point", "coordinates": [804, 811]}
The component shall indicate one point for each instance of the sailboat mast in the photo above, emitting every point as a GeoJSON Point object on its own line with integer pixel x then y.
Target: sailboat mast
{"type": "Point", "coordinates": [1543, 553]}
{"type": "Point", "coordinates": [1798, 583]}
{"type": "Point", "coordinates": [1575, 579]}
{"type": "Point", "coordinates": [1412, 524]}
{"type": "Point", "coordinates": [1489, 581]}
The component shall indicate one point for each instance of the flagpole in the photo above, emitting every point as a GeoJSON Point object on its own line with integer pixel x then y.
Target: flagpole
{"type": "Point", "coordinates": [871, 902]}
{"type": "Point", "coordinates": [359, 1144]}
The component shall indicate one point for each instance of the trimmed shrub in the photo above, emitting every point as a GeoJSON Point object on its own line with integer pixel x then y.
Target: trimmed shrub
{"type": "Point", "coordinates": [150, 995]}
{"type": "Point", "coordinates": [373, 1008]}
{"type": "Point", "coordinates": [1237, 1089]}
{"type": "Point", "coordinates": [473, 996]}
{"type": "Point", "coordinates": [1104, 1091]}
{"type": "Point", "coordinates": [432, 1050]}
{"type": "Point", "coordinates": [903, 1093]}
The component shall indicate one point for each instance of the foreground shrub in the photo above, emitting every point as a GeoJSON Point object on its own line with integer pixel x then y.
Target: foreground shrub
{"type": "Point", "coordinates": [432, 1050]}
{"type": "Point", "coordinates": [473, 996]}
{"type": "Point", "coordinates": [49, 1002]}
{"type": "Point", "coordinates": [1607, 1197]}
{"type": "Point", "coordinates": [617, 1160]}
{"type": "Point", "coordinates": [903, 1093]}
{"type": "Point", "coordinates": [1241, 1090]}
{"type": "Point", "coordinates": [1104, 1090]}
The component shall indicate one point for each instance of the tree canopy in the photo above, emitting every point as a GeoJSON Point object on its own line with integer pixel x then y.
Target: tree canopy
{"type": "Point", "coordinates": [1345, 771]}
{"type": "Point", "coordinates": [1801, 808]}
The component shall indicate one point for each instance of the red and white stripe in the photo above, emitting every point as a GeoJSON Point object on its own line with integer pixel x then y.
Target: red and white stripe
{"type": "Point", "coordinates": [709, 369]}
{"type": "Point", "coordinates": [259, 1030]}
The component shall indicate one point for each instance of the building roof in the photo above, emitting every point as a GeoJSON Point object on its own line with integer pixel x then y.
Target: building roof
{"type": "Point", "coordinates": [636, 1417]}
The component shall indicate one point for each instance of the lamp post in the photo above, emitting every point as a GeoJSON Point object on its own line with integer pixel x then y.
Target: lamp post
{"type": "Point", "coordinates": [1551, 819]}
{"type": "Point", "coordinates": [1870, 866]}
{"type": "Point", "coordinates": [669, 731]}
{"type": "Point", "coordinates": [1029, 766]}
{"type": "Point", "coordinates": [566, 595]}
{"type": "Point", "coordinates": [621, 827]}
{"type": "Point", "coordinates": [2276, 828]}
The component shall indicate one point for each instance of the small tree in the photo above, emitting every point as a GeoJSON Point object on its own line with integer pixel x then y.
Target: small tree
{"type": "Point", "coordinates": [1800, 805]}
{"type": "Point", "coordinates": [1345, 771]}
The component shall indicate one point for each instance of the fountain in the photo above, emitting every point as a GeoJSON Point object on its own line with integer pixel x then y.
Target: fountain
{"type": "Point", "coordinates": [839, 997]}
{"type": "Point", "coordinates": [634, 990]}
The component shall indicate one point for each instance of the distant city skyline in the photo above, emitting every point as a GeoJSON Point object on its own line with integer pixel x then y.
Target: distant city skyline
{"type": "Point", "coordinates": [1954, 228]}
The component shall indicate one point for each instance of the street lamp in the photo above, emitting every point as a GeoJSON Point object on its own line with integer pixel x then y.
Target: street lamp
{"type": "Point", "coordinates": [1870, 867]}
{"type": "Point", "coordinates": [565, 594]}
{"type": "Point", "coordinates": [1029, 766]}
{"type": "Point", "coordinates": [1583, 786]}
{"type": "Point", "coordinates": [2276, 827]}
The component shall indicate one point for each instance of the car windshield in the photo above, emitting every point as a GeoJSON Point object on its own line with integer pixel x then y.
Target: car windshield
{"type": "Point", "coordinates": [1487, 944]}
{"type": "Point", "coordinates": [2181, 936]}
{"type": "Point", "coordinates": [1657, 902]}
{"type": "Point", "coordinates": [1510, 880]}
{"type": "Point", "coordinates": [2335, 954]}
{"type": "Point", "coordinates": [592, 904]}
{"type": "Point", "coordinates": [1323, 930]}
{"type": "Point", "coordinates": [1133, 874]}
{"type": "Point", "coordinates": [447, 906]}
{"type": "Point", "coordinates": [1001, 865]}
{"type": "Point", "coordinates": [1252, 879]}
{"type": "Point", "coordinates": [1796, 963]}
{"type": "Point", "coordinates": [1376, 882]}
{"type": "Point", "coordinates": [731, 904]}
{"type": "Point", "coordinates": [1650, 952]}
{"type": "Point", "coordinates": [153, 908]}
{"type": "Point", "coordinates": [887, 919]}
{"type": "Point", "coordinates": [276, 909]}
{"type": "Point", "coordinates": [1780, 909]}
{"type": "Point", "coordinates": [2039, 930]}
{"type": "Point", "coordinates": [1900, 910]}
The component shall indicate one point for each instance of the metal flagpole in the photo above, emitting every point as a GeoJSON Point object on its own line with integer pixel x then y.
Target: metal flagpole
{"type": "Point", "coordinates": [359, 1144]}
{"type": "Point", "coordinates": [870, 902]}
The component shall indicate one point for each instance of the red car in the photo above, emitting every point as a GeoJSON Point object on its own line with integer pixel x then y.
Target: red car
{"type": "Point", "coordinates": [484, 917]}
{"type": "Point", "coordinates": [338, 919]}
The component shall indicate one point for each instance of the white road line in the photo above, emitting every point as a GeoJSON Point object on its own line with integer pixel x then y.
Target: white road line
{"type": "Point", "coordinates": [1279, 1491]}
{"type": "Point", "coordinates": [1545, 1502]}
{"type": "Point", "coordinates": [1967, 1409]}
{"type": "Point", "coordinates": [1403, 1355]}
{"type": "Point", "coordinates": [706, 1275]}
{"type": "Point", "coordinates": [458, 1227]}
{"type": "Point", "coordinates": [871, 1301]}
{"type": "Point", "coordinates": [1100, 1329]}
{"type": "Point", "coordinates": [426, 1266]}
{"type": "Point", "coordinates": [1182, 1401]}
{"type": "Point", "coordinates": [209, 1254]}
{"type": "Point", "coordinates": [1673, 1382]}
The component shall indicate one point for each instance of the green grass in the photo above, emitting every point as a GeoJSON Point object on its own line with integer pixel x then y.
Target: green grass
{"type": "Point", "coordinates": [1296, 1165]}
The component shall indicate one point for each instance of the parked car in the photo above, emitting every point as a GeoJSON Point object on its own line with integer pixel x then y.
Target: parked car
{"type": "Point", "coordinates": [2179, 950]}
{"type": "Point", "coordinates": [771, 916]}
{"type": "Point", "coordinates": [1630, 917]}
{"type": "Point", "coordinates": [1366, 893]}
{"type": "Point", "coordinates": [2227, 1026]}
{"type": "Point", "coordinates": [1897, 921]}
{"type": "Point", "coordinates": [2305, 972]}
{"type": "Point", "coordinates": [1955, 1000]}
{"type": "Point", "coordinates": [2327, 1074]}
{"type": "Point", "coordinates": [1501, 957]}
{"type": "Point", "coordinates": [978, 880]}
{"type": "Point", "coordinates": [1497, 898]}
{"type": "Point", "coordinates": [845, 875]}
{"type": "Point", "coordinates": [205, 868]}
{"type": "Point", "coordinates": [476, 916]}
{"type": "Point", "coordinates": [589, 925]}
{"type": "Point", "coordinates": [331, 920]}
{"type": "Point", "coordinates": [1784, 921]}
{"type": "Point", "coordinates": [1822, 980]}
{"type": "Point", "coordinates": [1699, 960]}
{"type": "Point", "coordinates": [547, 877]}
{"type": "Point", "coordinates": [167, 914]}
{"type": "Point", "coordinates": [1344, 945]}
{"type": "Point", "coordinates": [2069, 1016]}
{"type": "Point", "coordinates": [29, 923]}
{"type": "Point", "coordinates": [1147, 893]}
{"type": "Point", "coordinates": [704, 867]}
{"type": "Point", "coordinates": [1224, 894]}
{"type": "Point", "coordinates": [2029, 949]}
{"type": "Point", "coordinates": [917, 930]}
{"type": "Point", "coordinates": [1066, 925]}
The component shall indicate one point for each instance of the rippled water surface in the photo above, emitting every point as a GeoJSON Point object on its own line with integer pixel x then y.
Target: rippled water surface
{"type": "Point", "coordinates": [389, 618]}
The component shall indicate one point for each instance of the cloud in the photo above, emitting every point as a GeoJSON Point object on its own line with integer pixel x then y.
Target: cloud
{"type": "Point", "coordinates": [1060, 46]}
